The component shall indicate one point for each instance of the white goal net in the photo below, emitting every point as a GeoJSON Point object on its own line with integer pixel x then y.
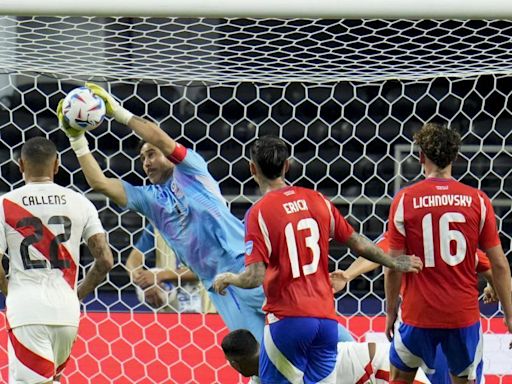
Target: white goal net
{"type": "Point", "coordinates": [345, 94]}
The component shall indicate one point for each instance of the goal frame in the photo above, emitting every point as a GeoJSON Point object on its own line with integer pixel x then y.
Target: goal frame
{"type": "Point", "coordinates": [350, 9]}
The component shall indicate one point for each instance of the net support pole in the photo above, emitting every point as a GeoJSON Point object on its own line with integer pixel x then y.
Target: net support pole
{"type": "Point", "coordinates": [390, 9]}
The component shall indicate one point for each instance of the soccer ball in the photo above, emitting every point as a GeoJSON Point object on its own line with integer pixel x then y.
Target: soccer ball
{"type": "Point", "coordinates": [83, 110]}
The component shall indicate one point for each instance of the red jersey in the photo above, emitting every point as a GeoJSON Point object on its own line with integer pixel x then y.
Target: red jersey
{"type": "Point", "coordinates": [443, 222]}
{"type": "Point", "coordinates": [289, 230]}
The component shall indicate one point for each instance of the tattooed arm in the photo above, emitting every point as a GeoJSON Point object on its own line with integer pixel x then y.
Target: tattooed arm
{"type": "Point", "coordinates": [103, 262]}
{"type": "Point", "coordinates": [365, 248]}
{"type": "Point", "coordinates": [252, 277]}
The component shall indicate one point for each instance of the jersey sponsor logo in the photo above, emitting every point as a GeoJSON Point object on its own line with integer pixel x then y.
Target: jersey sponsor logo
{"type": "Point", "coordinates": [441, 200]}
{"type": "Point", "coordinates": [176, 190]}
{"type": "Point", "coordinates": [37, 235]}
{"type": "Point", "coordinates": [248, 247]}
{"type": "Point", "coordinates": [295, 206]}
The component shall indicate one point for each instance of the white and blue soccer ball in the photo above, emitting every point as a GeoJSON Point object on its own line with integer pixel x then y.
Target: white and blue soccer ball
{"type": "Point", "coordinates": [83, 110]}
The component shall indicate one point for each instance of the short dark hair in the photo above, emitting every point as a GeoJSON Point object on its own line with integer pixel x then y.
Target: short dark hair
{"type": "Point", "coordinates": [140, 144]}
{"type": "Point", "coordinates": [270, 153]}
{"type": "Point", "coordinates": [39, 151]}
{"type": "Point", "coordinates": [439, 143]}
{"type": "Point", "coordinates": [240, 343]}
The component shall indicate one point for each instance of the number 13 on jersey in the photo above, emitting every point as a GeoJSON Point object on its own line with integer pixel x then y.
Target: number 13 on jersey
{"type": "Point", "coordinates": [311, 242]}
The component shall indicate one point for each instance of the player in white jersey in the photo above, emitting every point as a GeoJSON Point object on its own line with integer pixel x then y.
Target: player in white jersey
{"type": "Point", "coordinates": [356, 363]}
{"type": "Point", "coordinates": [41, 227]}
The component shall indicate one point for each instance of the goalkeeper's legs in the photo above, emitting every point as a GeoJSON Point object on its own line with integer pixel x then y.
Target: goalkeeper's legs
{"type": "Point", "coordinates": [241, 309]}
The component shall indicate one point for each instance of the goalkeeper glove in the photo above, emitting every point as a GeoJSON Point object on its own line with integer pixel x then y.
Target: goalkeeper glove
{"type": "Point", "coordinates": [113, 108]}
{"type": "Point", "coordinates": [76, 137]}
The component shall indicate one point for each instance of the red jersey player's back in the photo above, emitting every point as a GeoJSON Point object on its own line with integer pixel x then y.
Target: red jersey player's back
{"type": "Point", "coordinates": [443, 221]}
{"type": "Point", "coordinates": [289, 230]}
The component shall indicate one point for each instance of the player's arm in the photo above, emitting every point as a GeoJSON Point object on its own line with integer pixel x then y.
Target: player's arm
{"type": "Point", "coordinates": [147, 130]}
{"type": "Point", "coordinates": [392, 283]}
{"type": "Point", "coordinates": [501, 280]}
{"type": "Point", "coordinates": [103, 263]}
{"type": "Point", "coordinates": [145, 278]}
{"type": "Point", "coordinates": [110, 187]}
{"type": "Point", "coordinates": [483, 268]}
{"type": "Point", "coordinates": [343, 232]}
{"type": "Point", "coordinates": [3, 277]}
{"type": "Point", "coordinates": [393, 278]}
{"type": "Point", "coordinates": [251, 277]}
{"type": "Point", "coordinates": [135, 260]}
{"type": "Point", "coordinates": [489, 291]}
{"type": "Point", "coordinates": [365, 248]}
{"type": "Point", "coordinates": [489, 242]}
{"type": "Point", "coordinates": [360, 266]}
{"type": "Point", "coordinates": [177, 277]}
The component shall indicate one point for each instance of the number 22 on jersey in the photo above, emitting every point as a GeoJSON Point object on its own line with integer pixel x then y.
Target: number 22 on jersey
{"type": "Point", "coordinates": [310, 225]}
{"type": "Point", "coordinates": [38, 235]}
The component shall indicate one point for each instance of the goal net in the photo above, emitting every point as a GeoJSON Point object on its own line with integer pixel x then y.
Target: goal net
{"type": "Point", "coordinates": [345, 94]}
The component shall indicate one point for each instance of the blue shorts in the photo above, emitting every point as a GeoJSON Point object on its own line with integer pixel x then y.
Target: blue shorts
{"type": "Point", "coordinates": [415, 347]}
{"type": "Point", "coordinates": [299, 349]}
{"type": "Point", "coordinates": [241, 309]}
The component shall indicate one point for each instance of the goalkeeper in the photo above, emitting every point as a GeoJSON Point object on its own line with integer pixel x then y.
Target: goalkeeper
{"type": "Point", "coordinates": [184, 204]}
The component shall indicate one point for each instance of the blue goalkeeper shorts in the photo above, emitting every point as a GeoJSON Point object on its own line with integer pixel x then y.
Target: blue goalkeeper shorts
{"type": "Point", "coordinates": [241, 309]}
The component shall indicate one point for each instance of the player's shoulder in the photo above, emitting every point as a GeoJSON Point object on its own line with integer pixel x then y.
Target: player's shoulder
{"type": "Point", "coordinates": [413, 187]}
{"type": "Point", "coordinates": [302, 192]}
{"type": "Point", "coordinates": [191, 155]}
{"type": "Point", "coordinates": [468, 190]}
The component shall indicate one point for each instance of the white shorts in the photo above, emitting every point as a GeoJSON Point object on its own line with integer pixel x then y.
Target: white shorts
{"type": "Point", "coordinates": [351, 365]}
{"type": "Point", "coordinates": [354, 366]}
{"type": "Point", "coordinates": [37, 353]}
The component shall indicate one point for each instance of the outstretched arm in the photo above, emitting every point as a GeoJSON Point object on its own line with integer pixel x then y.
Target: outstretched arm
{"type": "Point", "coordinates": [360, 266]}
{"type": "Point", "coordinates": [147, 130]}
{"type": "Point", "coordinates": [365, 248]}
{"type": "Point", "coordinates": [110, 187]}
{"type": "Point", "coordinates": [103, 263]}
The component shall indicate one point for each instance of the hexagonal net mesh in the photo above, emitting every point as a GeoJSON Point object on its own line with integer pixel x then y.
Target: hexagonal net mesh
{"type": "Point", "coordinates": [345, 94]}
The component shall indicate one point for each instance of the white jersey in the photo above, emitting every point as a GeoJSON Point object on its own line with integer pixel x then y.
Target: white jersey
{"type": "Point", "coordinates": [353, 365]}
{"type": "Point", "coordinates": [42, 226]}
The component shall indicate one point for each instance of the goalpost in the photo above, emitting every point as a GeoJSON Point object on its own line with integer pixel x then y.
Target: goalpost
{"type": "Point", "coordinates": [345, 87]}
